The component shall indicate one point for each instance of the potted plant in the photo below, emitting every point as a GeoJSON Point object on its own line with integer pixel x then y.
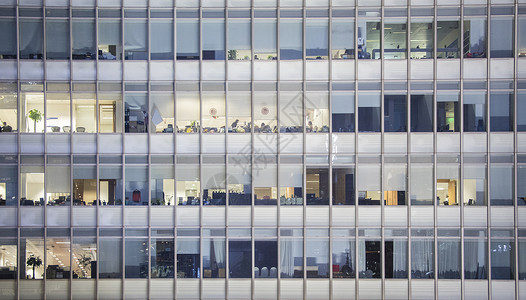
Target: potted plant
{"type": "Point", "coordinates": [35, 262]}
{"type": "Point", "coordinates": [36, 116]}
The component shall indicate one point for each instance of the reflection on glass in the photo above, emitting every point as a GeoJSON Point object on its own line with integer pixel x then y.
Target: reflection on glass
{"type": "Point", "coordinates": [342, 38]}
{"type": "Point", "coordinates": [369, 192]}
{"type": "Point", "coordinates": [422, 112]}
{"type": "Point", "coordinates": [369, 259]}
{"type": "Point", "coordinates": [395, 113]}
{"type": "Point", "coordinates": [213, 180]}
{"type": "Point", "coordinates": [291, 113]}
{"type": "Point", "coordinates": [136, 113]}
{"type": "Point", "coordinates": [291, 39]}
{"type": "Point", "coordinates": [31, 38]}
{"type": "Point", "coordinates": [395, 40]}
{"type": "Point", "coordinates": [136, 258]}
{"type": "Point", "coordinates": [266, 259]}
{"type": "Point", "coordinates": [32, 108]}
{"type": "Point", "coordinates": [521, 44]}
{"type": "Point", "coordinates": [187, 39]}
{"type": "Point", "coordinates": [448, 112]}
{"type": "Point", "coordinates": [343, 186]}
{"type": "Point", "coordinates": [265, 112]}
{"type": "Point", "coordinates": [84, 185]}
{"type": "Point", "coordinates": [421, 184]}
{"type": "Point", "coordinates": [522, 259]}
{"type": "Point", "coordinates": [317, 257]}
{"type": "Point", "coordinates": [58, 185]}
{"type": "Point", "coordinates": [448, 39]}
{"type": "Point", "coordinates": [474, 111]}
{"type": "Point", "coordinates": [474, 185]}
{"type": "Point", "coordinates": [239, 40]}
{"type": "Point", "coordinates": [8, 36]}
{"type": "Point", "coordinates": [501, 111]}
{"type": "Point", "coordinates": [162, 258]}
{"type": "Point", "coordinates": [265, 181]}
{"type": "Point", "coordinates": [474, 38]}
{"type": "Point", "coordinates": [187, 108]}
{"type": "Point", "coordinates": [58, 119]}
{"type": "Point", "coordinates": [110, 257]}
{"type": "Point", "coordinates": [422, 38]}
{"type": "Point", "coordinates": [8, 185]}
{"type": "Point", "coordinates": [521, 188]}
{"type": "Point", "coordinates": [317, 38]}
{"type": "Point", "coordinates": [521, 106]}
{"type": "Point", "coordinates": [265, 43]}
{"type": "Point", "coordinates": [239, 184]}
{"type": "Point", "coordinates": [239, 109]}
{"type": "Point", "coordinates": [161, 39]}
{"type": "Point", "coordinates": [84, 113]}
{"type": "Point", "coordinates": [396, 258]}
{"type": "Point", "coordinates": [422, 258]}
{"type": "Point", "coordinates": [32, 184]}
{"type": "Point", "coordinates": [188, 265]}
{"type": "Point", "coordinates": [110, 113]}
{"type": "Point", "coordinates": [8, 107]}
{"type": "Point", "coordinates": [501, 37]}
{"type": "Point", "coordinates": [317, 112]}
{"type": "Point", "coordinates": [317, 190]}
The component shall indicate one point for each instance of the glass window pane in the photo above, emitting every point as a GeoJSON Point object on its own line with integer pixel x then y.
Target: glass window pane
{"type": "Point", "coordinates": [291, 258]}
{"type": "Point", "coordinates": [369, 39]}
{"type": "Point", "coordinates": [422, 38]}
{"type": "Point", "coordinates": [213, 39]}
{"type": "Point", "coordinates": [214, 192]}
{"type": "Point", "coordinates": [369, 259]}
{"type": "Point", "coordinates": [317, 112]}
{"type": "Point", "coordinates": [475, 259]}
{"type": "Point", "coordinates": [8, 258]}
{"type": "Point", "coordinates": [475, 37]}
{"type": "Point", "coordinates": [135, 39]}
{"type": "Point", "coordinates": [522, 259]}
{"type": "Point", "coordinates": [58, 119]}
{"type": "Point", "coordinates": [84, 113]}
{"type": "Point", "coordinates": [501, 180]}
{"type": "Point", "coordinates": [448, 259]}
{"type": "Point", "coordinates": [521, 188]}
{"type": "Point", "coordinates": [396, 258]}
{"type": "Point", "coordinates": [369, 191]}
{"type": "Point", "coordinates": [137, 258]}
{"type": "Point", "coordinates": [162, 185]}
{"type": "Point", "coordinates": [265, 181]}
{"type": "Point", "coordinates": [343, 111]}
{"type": "Point", "coordinates": [448, 110]}
{"type": "Point", "coordinates": [136, 185]}
{"type": "Point", "coordinates": [395, 178]}
{"type": "Point", "coordinates": [369, 112]}
{"type": "Point", "coordinates": [422, 258]}
{"type": "Point", "coordinates": [214, 259]}
{"type": "Point", "coordinates": [8, 38]}
{"type": "Point", "coordinates": [136, 113]}
{"type": "Point", "coordinates": [213, 113]}
{"type": "Point", "coordinates": [187, 39]}
{"type": "Point", "coordinates": [501, 111]}
{"type": "Point", "coordinates": [265, 112]}
{"type": "Point", "coordinates": [502, 259]}
{"type": "Point", "coordinates": [162, 112]}
{"type": "Point", "coordinates": [31, 39]}
{"type": "Point", "coordinates": [58, 184]}
{"type": "Point", "coordinates": [291, 39]}
{"type": "Point", "coordinates": [421, 184]}
{"type": "Point", "coordinates": [110, 45]}
{"type": "Point", "coordinates": [240, 258]}
{"type": "Point", "coordinates": [8, 108]}
{"type": "Point", "coordinates": [8, 185]}
{"type": "Point", "coordinates": [521, 44]}
{"type": "Point", "coordinates": [501, 37]}
{"type": "Point", "coordinates": [343, 191]}
{"type": "Point", "coordinates": [239, 40]}
{"type": "Point", "coordinates": [32, 185]}
{"type": "Point", "coordinates": [162, 258]}
{"type": "Point", "coordinates": [317, 258]}
{"type": "Point", "coordinates": [317, 38]}
{"type": "Point", "coordinates": [187, 107]}
{"type": "Point", "coordinates": [57, 39]}
{"type": "Point", "coordinates": [110, 113]}
{"type": "Point", "coordinates": [32, 253]}
{"type": "Point", "coordinates": [266, 259]}
{"type": "Point", "coordinates": [58, 258]}
{"type": "Point", "coordinates": [448, 39]}
{"type": "Point", "coordinates": [422, 112]}
{"type": "Point", "coordinates": [239, 112]}
{"type": "Point", "coordinates": [474, 111]}
{"type": "Point", "coordinates": [291, 184]}
{"type": "Point", "coordinates": [521, 106]}
{"type": "Point", "coordinates": [239, 184]}
{"type": "Point", "coordinates": [84, 185]}
{"type": "Point", "coordinates": [395, 113]}
{"type": "Point", "coordinates": [291, 118]}
{"type": "Point", "coordinates": [110, 257]}
{"type": "Point", "coordinates": [317, 189]}
{"type": "Point", "coordinates": [395, 40]}
{"type": "Point", "coordinates": [110, 185]}
{"type": "Point", "coordinates": [342, 38]}
{"type": "Point", "coordinates": [343, 258]}
{"type": "Point", "coordinates": [265, 41]}
{"type": "Point", "coordinates": [162, 37]}
{"type": "Point", "coordinates": [188, 258]}
{"type": "Point", "coordinates": [474, 185]}
{"type": "Point", "coordinates": [83, 46]}
{"type": "Point", "coordinates": [188, 184]}
{"type": "Point", "coordinates": [447, 184]}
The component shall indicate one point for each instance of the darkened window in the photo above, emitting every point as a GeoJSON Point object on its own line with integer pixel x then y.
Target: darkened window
{"type": "Point", "coordinates": [369, 112]}
{"type": "Point", "coordinates": [8, 38]}
{"type": "Point", "coordinates": [343, 191]}
{"type": "Point", "coordinates": [240, 259]}
{"type": "Point", "coordinates": [474, 111]}
{"type": "Point", "coordinates": [370, 259]}
{"type": "Point", "coordinates": [395, 113]}
{"type": "Point", "coordinates": [266, 259]}
{"type": "Point", "coordinates": [422, 112]}
{"type": "Point", "coordinates": [501, 111]}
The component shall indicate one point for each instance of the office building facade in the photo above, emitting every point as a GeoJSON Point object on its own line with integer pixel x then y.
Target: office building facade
{"type": "Point", "coordinates": [263, 149]}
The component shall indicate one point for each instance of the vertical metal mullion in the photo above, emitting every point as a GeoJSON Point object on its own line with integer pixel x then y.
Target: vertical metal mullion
{"type": "Point", "coordinates": [461, 177]}
{"type": "Point", "coordinates": [435, 204]}
{"type": "Point", "coordinates": [488, 174]}
{"type": "Point", "coordinates": [515, 167]}
{"type": "Point", "coordinates": [227, 197]}
{"type": "Point", "coordinates": [278, 149]}
{"type": "Point", "coordinates": [304, 137]}
{"type": "Point", "coordinates": [331, 196]}
{"type": "Point", "coordinates": [252, 144]}
{"type": "Point", "coordinates": [199, 132]}
{"type": "Point", "coordinates": [356, 172]}
{"type": "Point", "coordinates": [408, 161]}
{"type": "Point", "coordinates": [19, 177]}
{"type": "Point", "coordinates": [44, 86]}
